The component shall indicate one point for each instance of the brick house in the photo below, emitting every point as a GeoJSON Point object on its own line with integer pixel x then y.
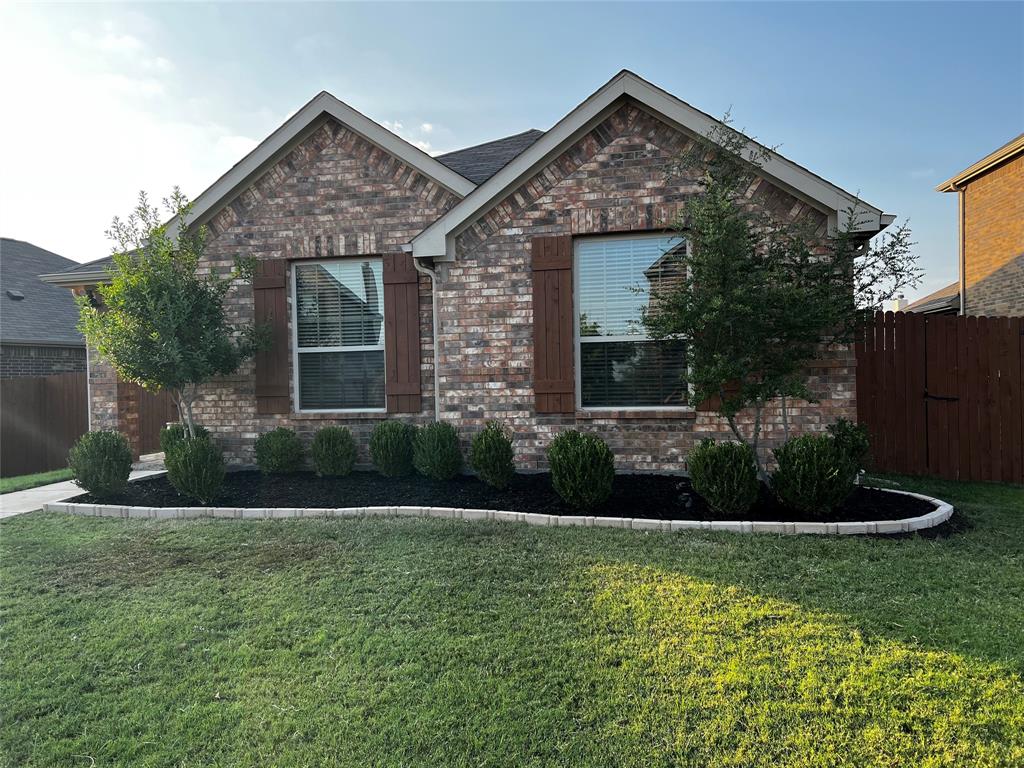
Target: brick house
{"type": "Point", "coordinates": [495, 282]}
{"type": "Point", "coordinates": [991, 238]}
{"type": "Point", "coordinates": [38, 333]}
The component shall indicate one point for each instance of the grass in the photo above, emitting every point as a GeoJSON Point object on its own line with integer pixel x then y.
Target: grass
{"type": "Point", "coordinates": [426, 642]}
{"type": "Point", "coordinates": [24, 482]}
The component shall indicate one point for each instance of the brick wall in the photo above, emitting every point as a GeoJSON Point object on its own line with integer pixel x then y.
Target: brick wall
{"type": "Point", "coordinates": [335, 194]}
{"type": "Point", "coordinates": [612, 179]}
{"type": "Point", "coordinates": [18, 360]}
{"type": "Point", "coordinates": [994, 241]}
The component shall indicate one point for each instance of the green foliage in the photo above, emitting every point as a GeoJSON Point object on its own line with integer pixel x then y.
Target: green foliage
{"type": "Point", "coordinates": [814, 474]}
{"type": "Point", "coordinates": [195, 467]}
{"type": "Point", "coordinates": [725, 475]}
{"type": "Point", "coordinates": [391, 448]}
{"type": "Point", "coordinates": [762, 293]}
{"type": "Point", "coordinates": [333, 451]}
{"type": "Point", "coordinates": [279, 450]}
{"type": "Point", "coordinates": [852, 440]}
{"type": "Point", "coordinates": [491, 455]}
{"type": "Point", "coordinates": [582, 469]}
{"type": "Point", "coordinates": [435, 451]}
{"type": "Point", "coordinates": [101, 463]}
{"type": "Point", "coordinates": [173, 434]}
{"type": "Point", "coordinates": [157, 320]}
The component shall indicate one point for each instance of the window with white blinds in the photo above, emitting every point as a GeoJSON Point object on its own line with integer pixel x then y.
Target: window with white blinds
{"type": "Point", "coordinates": [619, 365]}
{"type": "Point", "coordinates": [339, 334]}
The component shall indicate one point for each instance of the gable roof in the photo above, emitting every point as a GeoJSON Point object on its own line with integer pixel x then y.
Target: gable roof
{"type": "Point", "coordinates": [299, 126]}
{"type": "Point", "coordinates": [943, 300]}
{"type": "Point", "coordinates": [435, 240]}
{"type": "Point", "coordinates": [989, 161]}
{"type": "Point", "coordinates": [44, 314]}
{"type": "Point", "coordinates": [478, 163]}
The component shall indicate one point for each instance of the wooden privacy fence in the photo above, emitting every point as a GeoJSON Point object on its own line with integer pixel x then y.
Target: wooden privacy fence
{"type": "Point", "coordinates": [40, 419]}
{"type": "Point", "coordinates": [944, 395]}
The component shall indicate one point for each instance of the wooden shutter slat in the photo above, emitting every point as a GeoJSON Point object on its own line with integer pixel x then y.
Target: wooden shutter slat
{"type": "Point", "coordinates": [554, 380]}
{"type": "Point", "coordinates": [270, 301]}
{"type": "Point", "coordinates": [401, 334]}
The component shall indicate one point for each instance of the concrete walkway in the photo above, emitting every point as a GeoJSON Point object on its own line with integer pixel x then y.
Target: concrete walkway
{"type": "Point", "coordinates": [19, 502]}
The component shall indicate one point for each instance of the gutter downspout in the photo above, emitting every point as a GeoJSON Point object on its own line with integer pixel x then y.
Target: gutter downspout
{"type": "Point", "coordinates": [423, 269]}
{"type": "Point", "coordinates": [961, 193]}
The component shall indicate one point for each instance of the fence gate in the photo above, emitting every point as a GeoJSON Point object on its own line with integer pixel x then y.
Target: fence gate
{"type": "Point", "coordinates": [944, 395]}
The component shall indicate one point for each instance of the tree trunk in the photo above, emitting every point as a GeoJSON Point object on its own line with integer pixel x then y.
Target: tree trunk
{"type": "Point", "coordinates": [785, 420]}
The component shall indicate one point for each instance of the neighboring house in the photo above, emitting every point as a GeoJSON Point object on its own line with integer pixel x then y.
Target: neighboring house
{"type": "Point", "coordinates": [991, 231]}
{"type": "Point", "coordinates": [496, 282]}
{"type": "Point", "coordinates": [38, 334]}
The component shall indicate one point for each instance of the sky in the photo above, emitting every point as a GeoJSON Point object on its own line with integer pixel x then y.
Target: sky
{"type": "Point", "coordinates": [102, 101]}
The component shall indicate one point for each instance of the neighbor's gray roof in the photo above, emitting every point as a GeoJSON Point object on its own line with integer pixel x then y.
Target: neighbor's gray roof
{"type": "Point", "coordinates": [47, 314]}
{"type": "Point", "coordinates": [481, 162]}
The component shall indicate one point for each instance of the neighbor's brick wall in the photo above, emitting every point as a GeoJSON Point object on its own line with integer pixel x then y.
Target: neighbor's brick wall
{"type": "Point", "coordinates": [335, 194]}
{"type": "Point", "coordinates": [17, 360]}
{"type": "Point", "coordinates": [994, 241]}
{"type": "Point", "coordinates": [612, 179]}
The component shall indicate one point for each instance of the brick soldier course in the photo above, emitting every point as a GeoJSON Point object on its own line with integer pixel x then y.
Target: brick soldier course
{"type": "Point", "coordinates": [336, 191]}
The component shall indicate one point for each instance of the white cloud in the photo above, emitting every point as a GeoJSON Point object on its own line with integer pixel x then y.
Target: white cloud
{"type": "Point", "coordinates": [413, 136]}
{"type": "Point", "coordinates": [101, 115]}
{"type": "Point", "coordinates": [426, 127]}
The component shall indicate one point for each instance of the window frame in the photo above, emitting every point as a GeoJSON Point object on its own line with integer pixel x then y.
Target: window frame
{"type": "Point", "coordinates": [297, 350]}
{"type": "Point", "coordinates": [577, 339]}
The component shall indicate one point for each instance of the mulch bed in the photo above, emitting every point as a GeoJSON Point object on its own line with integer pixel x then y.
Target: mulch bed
{"type": "Point", "coordinates": [661, 497]}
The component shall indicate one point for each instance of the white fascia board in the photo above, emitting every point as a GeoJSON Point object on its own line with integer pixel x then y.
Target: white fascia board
{"type": "Point", "coordinates": [436, 240]}
{"type": "Point", "coordinates": [74, 279]}
{"type": "Point", "coordinates": [300, 123]}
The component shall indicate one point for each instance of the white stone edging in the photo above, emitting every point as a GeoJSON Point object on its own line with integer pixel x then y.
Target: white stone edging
{"type": "Point", "coordinates": [939, 515]}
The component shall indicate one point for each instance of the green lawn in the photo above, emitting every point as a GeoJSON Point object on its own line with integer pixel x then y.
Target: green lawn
{"type": "Point", "coordinates": [436, 643]}
{"type": "Point", "coordinates": [21, 482]}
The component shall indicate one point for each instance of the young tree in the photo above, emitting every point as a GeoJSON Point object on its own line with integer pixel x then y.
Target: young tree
{"type": "Point", "coordinates": [160, 323]}
{"type": "Point", "coordinates": [762, 295]}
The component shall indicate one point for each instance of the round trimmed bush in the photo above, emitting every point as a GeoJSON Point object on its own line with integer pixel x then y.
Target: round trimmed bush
{"type": "Point", "coordinates": [101, 462]}
{"type": "Point", "coordinates": [391, 448]}
{"type": "Point", "coordinates": [435, 451]}
{"type": "Point", "coordinates": [814, 474]}
{"type": "Point", "coordinates": [491, 455]}
{"type": "Point", "coordinates": [725, 475]}
{"type": "Point", "coordinates": [195, 467]}
{"type": "Point", "coordinates": [333, 451]}
{"type": "Point", "coordinates": [279, 450]}
{"type": "Point", "coordinates": [175, 433]}
{"type": "Point", "coordinates": [582, 469]}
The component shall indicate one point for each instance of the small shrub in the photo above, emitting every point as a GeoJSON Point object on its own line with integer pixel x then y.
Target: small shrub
{"type": "Point", "coordinates": [391, 448]}
{"type": "Point", "coordinates": [491, 455]}
{"type": "Point", "coordinates": [435, 451]}
{"type": "Point", "coordinates": [582, 469]}
{"type": "Point", "coordinates": [279, 450]}
{"type": "Point", "coordinates": [195, 467]}
{"type": "Point", "coordinates": [333, 451]}
{"type": "Point", "coordinates": [852, 440]}
{"type": "Point", "coordinates": [814, 474]}
{"type": "Point", "coordinates": [725, 475]}
{"type": "Point", "coordinates": [175, 433]}
{"type": "Point", "coordinates": [101, 462]}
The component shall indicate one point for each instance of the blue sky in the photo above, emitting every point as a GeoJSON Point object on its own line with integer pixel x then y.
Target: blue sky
{"type": "Point", "coordinates": [883, 99]}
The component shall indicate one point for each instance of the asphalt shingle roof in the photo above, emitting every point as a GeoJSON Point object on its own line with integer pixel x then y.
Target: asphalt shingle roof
{"type": "Point", "coordinates": [45, 314]}
{"type": "Point", "coordinates": [481, 162]}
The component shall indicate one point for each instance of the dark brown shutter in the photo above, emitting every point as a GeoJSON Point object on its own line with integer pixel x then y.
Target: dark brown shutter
{"type": "Point", "coordinates": [553, 355]}
{"type": "Point", "coordinates": [270, 293]}
{"type": "Point", "coordinates": [401, 334]}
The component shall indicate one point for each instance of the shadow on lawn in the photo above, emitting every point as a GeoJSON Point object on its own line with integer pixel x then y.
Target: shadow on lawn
{"type": "Point", "coordinates": [716, 675]}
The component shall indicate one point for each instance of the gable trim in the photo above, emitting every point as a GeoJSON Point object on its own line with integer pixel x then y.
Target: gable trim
{"type": "Point", "coordinates": [437, 240]}
{"type": "Point", "coordinates": [299, 126]}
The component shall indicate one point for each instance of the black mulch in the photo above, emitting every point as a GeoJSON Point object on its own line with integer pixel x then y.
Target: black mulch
{"type": "Point", "coordinates": [641, 495]}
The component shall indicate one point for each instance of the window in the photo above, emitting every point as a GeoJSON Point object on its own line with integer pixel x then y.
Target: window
{"type": "Point", "coordinates": [619, 366]}
{"type": "Point", "coordinates": [339, 335]}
